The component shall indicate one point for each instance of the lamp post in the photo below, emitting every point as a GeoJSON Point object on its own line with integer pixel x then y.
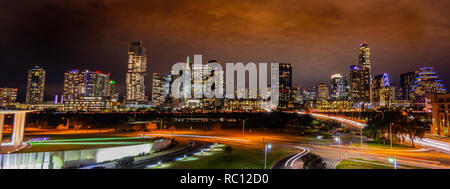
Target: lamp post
{"type": "Point", "coordinates": [393, 160]}
{"type": "Point", "coordinates": [266, 149]}
{"type": "Point", "coordinates": [339, 141]}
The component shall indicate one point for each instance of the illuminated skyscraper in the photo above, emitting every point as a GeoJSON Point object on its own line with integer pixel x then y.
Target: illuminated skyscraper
{"type": "Point", "coordinates": [168, 87]}
{"type": "Point", "coordinates": [426, 83]}
{"type": "Point", "coordinates": [113, 91]}
{"type": "Point", "coordinates": [365, 64]}
{"type": "Point", "coordinates": [310, 95]}
{"type": "Point", "coordinates": [406, 81]}
{"type": "Point", "coordinates": [355, 81]}
{"type": "Point", "coordinates": [158, 89]}
{"type": "Point", "coordinates": [382, 93]}
{"type": "Point", "coordinates": [137, 68]}
{"type": "Point", "coordinates": [8, 97]}
{"type": "Point", "coordinates": [285, 84]}
{"type": "Point", "coordinates": [324, 93]}
{"type": "Point", "coordinates": [35, 85]}
{"type": "Point", "coordinates": [73, 85]}
{"type": "Point", "coordinates": [360, 77]}
{"type": "Point", "coordinates": [96, 84]}
{"type": "Point", "coordinates": [87, 83]}
{"type": "Point", "coordinates": [339, 87]}
{"type": "Point", "coordinates": [297, 95]}
{"type": "Point", "coordinates": [86, 91]}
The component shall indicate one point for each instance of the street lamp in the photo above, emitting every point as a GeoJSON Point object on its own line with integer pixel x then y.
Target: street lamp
{"type": "Point", "coordinates": [394, 161]}
{"type": "Point", "coordinates": [266, 149]}
{"type": "Point", "coordinates": [339, 141]}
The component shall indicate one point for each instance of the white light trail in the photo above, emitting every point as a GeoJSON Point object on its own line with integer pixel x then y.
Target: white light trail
{"type": "Point", "coordinates": [294, 158]}
{"type": "Point", "coordinates": [440, 145]}
{"type": "Point", "coordinates": [340, 119]}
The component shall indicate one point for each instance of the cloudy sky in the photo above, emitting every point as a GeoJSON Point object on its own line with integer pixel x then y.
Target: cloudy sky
{"type": "Point", "coordinates": [319, 37]}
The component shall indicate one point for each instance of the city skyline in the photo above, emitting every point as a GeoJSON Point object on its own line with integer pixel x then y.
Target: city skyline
{"type": "Point", "coordinates": [149, 96]}
{"type": "Point", "coordinates": [188, 89]}
{"type": "Point", "coordinates": [404, 44]}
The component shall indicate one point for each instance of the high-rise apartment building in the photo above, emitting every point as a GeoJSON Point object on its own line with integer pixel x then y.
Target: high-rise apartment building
{"type": "Point", "coordinates": [137, 68]}
{"type": "Point", "coordinates": [285, 84]}
{"type": "Point", "coordinates": [158, 89]}
{"type": "Point", "coordinates": [113, 91]}
{"type": "Point", "coordinates": [324, 93]}
{"type": "Point", "coordinates": [74, 87]}
{"type": "Point", "coordinates": [355, 81]}
{"type": "Point", "coordinates": [87, 83]}
{"type": "Point", "coordinates": [35, 85]}
{"type": "Point", "coordinates": [8, 97]}
{"type": "Point", "coordinates": [96, 84]}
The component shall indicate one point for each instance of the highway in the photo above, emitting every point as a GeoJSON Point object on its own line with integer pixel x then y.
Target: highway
{"type": "Point", "coordinates": [434, 144]}
{"type": "Point", "coordinates": [426, 142]}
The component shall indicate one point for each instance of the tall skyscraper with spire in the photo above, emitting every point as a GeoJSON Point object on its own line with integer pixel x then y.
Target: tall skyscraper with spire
{"type": "Point", "coordinates": [360, 76]}
{"type": "Point", "coordinates": [366, 78]}
{"type": "Point", "coordinates": [187, 89]}
{"type": "Point", "coordinates": [137, 68]}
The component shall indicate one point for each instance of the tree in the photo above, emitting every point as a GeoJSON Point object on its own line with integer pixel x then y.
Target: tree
{"type": "Point", "coordinates": [411, 126]}
{"type": "Point", "coordinates": [399, 123]}
{"type": "Point", "coordinates": [313, 161]}
{"type": "Point", "coordinates": [228, 150]}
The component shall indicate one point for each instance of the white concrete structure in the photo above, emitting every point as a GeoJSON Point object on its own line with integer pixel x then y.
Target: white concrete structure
{"type": "Point", "coordinates": [18, 126]}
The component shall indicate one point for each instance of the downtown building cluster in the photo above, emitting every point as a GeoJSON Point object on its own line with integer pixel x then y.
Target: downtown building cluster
{"type": "Point", "coordinates": [88, 91]}
{"type": "Point", "coordinates": [363, 91]}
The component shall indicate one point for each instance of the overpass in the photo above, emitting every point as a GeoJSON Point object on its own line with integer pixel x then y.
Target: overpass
{"type": "Point", "coordinates": [16, 142]}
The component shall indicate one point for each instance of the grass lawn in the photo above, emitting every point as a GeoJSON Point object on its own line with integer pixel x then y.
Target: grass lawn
{"type": "Point", "coordinates": [241, 158]}
{"type": "Point", "coordinates": [388, 164]}
{"type": "Point", "coordinates": [350, 164]}
{"type": "Point", "coordinates": [369, 164]}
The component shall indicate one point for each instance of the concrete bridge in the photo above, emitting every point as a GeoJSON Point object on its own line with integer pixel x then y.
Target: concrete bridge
{"type": "Point", "coordinates": [16, 142]}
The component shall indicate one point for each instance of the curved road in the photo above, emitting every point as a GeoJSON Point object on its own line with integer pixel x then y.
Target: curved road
{"type": "Point", "coordinates": [289, 161]}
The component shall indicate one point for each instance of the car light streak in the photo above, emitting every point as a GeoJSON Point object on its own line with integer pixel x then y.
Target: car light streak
{"type": "Point", "coordinates": [294, 158]}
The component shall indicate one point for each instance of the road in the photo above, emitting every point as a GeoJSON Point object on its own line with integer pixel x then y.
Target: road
{"type": "Point", "coordinates": [189, 151]}
{"type": "Point", "coordinates": [293, 161]}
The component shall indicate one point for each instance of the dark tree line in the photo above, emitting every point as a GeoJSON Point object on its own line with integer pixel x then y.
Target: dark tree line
{"type": "Point", "coordinates": [403, 124]}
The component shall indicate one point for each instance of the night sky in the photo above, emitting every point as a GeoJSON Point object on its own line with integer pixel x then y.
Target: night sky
{"type": "Point", "coordinates": [319, 37]}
